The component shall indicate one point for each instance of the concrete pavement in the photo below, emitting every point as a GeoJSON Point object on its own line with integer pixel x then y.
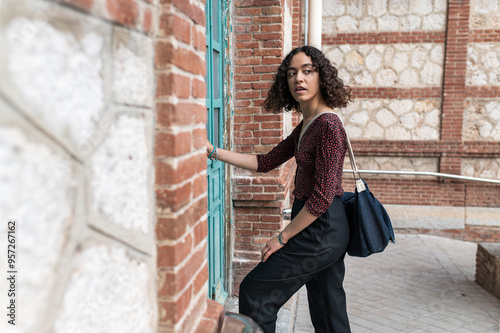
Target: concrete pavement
{"type": "Point", "coordinates": [420, 284]}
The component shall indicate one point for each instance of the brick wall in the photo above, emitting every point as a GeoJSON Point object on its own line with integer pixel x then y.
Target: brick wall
{"type": "Point", "coordinates": [180, 164]}
{"type": "Point", "coordinates": [258, 199]}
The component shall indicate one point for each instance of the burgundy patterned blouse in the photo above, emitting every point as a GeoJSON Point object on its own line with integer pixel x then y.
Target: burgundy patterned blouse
{"type": "Point", "coordinates": [320, 160]}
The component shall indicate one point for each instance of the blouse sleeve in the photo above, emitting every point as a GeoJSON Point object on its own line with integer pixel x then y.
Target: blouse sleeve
{"type": "Point", "coordinates": [330, 153]}
{"type": "Point", "coordinates": [279, 154]}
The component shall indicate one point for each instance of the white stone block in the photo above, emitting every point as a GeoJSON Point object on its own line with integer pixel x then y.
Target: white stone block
{"type": "Point", "coordinates": [345, 48]}
{"type": "Point", "coordinates": [409, 78]}
{"type": "Point", "coordinates": [434, 22]}
{"type": "Point", "coordinates": [121, 170]}
{"type": "Point", "coordinates": [364, 49]}
{"type": "Point", "coordinates": [401, 106]}
{"type": "Point", "coordinates": [355, 8]}
{"type": "Point", "coordinates": [427, 217]}
{"type": "Point", "coordinates": [490, 60]}
{"type": "Point", "coordinates": [354, 61]}
{"type": "Point", "coordinates": [399, 7]}
{"type": "Point", "coordinates": [344, 75]}
{"type": "Point", "coordinates": [374, 131]}
{"type": "Point", "coordinates": [487, 216]}
{"type": "Point", "coordinates": [400, 61]}
{"type": "Point", "coordinates": [419, 56]}
{"type": "Point", "coordinates": [354, 132]}
{"type": "Point", "coordinates": [431, 74]}
{"type": "Point", "coordinates": [363, 78]}
{"type": "Point", "coordinates": [38, 190]}
{"type": "Point", "coordinates": [410, 120]}
{"type": "Point", "coordinates": [44, 73]}
{"type": "Point", "coordinates": [376, 8]}
{"type": "Point", "coordinates": [495, 134]}
{"type": "Point", "coordinates": [386, 77]}
{"type": "Point", "coordinates": [333, 8]}
{"type": "Point", "coordinates": [440, 5]}
{"type": "Point", "coordinates": [421, 7]}
{"type": "Point", "coordinates": [410, 22]}
{"type": "Point", "coordinates": [483, 167]}
{"type": "Point", "coordinates": [132, 68]}
{"type": "Point", "coordinates": [335, 55]}
{"type": "Point", "coordinates": [388, 23]}
{"type": "Point", "coordinates": [477, 78]}
{"type": "Point", "coordinates": [360, 118]}
{"type": "Point", "coordinates": [485, 128]}
{"type": "Point", "coordinates": [397, 133]}
{"type": "Point", "coordinates": [493, 110]}
{"type": "Point", "coordinates": [109, 291]}
{"type": "Point", "coordinates": [368, 24]}
{"type": "Point", "coordinates": [486, 6]}
{"type": "Point", "coordinates": [426, 133]}
{"type": "Point", "coordinates": [385, 117]}
{"type": "Point", "coordinates": [373, 61]}
{"type": "Point", "coordinates": [346, 24]}
{"type": "Point", "coordinates": [328, 25]}
{"type": "Point", "coordinates": [437, 54]}
{"type": "Point", "coordinates": [432, 118]}
{"type": "Point", "coordinates": [371, 104]}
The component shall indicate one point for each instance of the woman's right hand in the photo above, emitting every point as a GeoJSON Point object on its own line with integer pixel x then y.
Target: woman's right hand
{"type": "Point", "coordinates": [209, 146]}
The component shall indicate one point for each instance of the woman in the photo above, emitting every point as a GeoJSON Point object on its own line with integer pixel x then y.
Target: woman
{"type": "Point", "coordinates": [311, 249]}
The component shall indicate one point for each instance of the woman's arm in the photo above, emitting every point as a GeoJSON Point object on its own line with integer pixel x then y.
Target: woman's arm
{"type": "Point", "coordinates": [245, 161]}
{"type": "Point", "coordinates": [303, 219]}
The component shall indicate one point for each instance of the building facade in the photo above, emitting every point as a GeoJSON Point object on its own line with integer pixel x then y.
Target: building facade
{"type": "Point", "coordinates": [122, 223]}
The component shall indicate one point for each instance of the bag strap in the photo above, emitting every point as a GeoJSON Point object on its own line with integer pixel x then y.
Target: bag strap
{"type": "Point", "coordinates": [357, 177]}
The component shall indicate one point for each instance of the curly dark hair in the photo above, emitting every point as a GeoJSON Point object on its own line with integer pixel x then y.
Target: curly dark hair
{"type": "Point", "coordinates": [333, 90]}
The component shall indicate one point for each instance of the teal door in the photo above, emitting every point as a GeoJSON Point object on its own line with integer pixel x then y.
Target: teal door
{"type": "Point", "coordinates": [215, 169]}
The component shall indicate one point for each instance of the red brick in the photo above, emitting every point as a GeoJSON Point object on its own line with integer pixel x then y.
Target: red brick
{"type": "Point", "coordinates": [170, 144]}
{"type": "Point", "coordinates": [173, 84]}
{"type": "Point", "coordinates": [172, 255]}
{"type": "Point", "coordinates": [186, 168]}
{"type": "Point", "coordinates": [196, 13]}
{"type": "Point", "coordinates": [172, 25]}
{"type": "Point", "coordinates": [182, 114]}
{"type": "Point", "coordinates": [200, 186]}
{"type": "Point", "coordinates": [201, 280]}
{"type": "Point", "coordinates": [148, 20]}
{"type": "Point", "coordinates": [125, 12]}
{"type": "Point", "coordinates": [199, 89]}
{"type": "Point", "coordinates": [173, 199]}
{"type": "Point", "coordinates": [171, 312]}
{"type": "Point", "coordinates": [200, 231]}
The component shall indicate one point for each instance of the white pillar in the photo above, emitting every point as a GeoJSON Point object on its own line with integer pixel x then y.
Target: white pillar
{"type": "Point", "coordinates": [315, 19]}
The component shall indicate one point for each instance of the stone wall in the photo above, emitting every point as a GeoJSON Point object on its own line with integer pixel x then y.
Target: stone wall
{"type": "Point", "coordinates": [426, 80]}
{"type": "Point", "coordinates": [76, 99]}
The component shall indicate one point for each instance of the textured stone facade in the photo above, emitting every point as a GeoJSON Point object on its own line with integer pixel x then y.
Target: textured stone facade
{"type": "Point", "coordinates": [485, 14]}
{"type": "Point", "coordinates": [376, 16]}
{"type": "Point", "coordinates": [483, 64]}
{"type": "Point", "coordinates": [392, 119]}
{"type": "Point", "coordinates": [426, 80]}
{"type": "Point", "coordinates": [76, 126]}
{"type": "Point", "coordinates": [394, 65]}
{"type": "Point", "coordinates": [482, 120]}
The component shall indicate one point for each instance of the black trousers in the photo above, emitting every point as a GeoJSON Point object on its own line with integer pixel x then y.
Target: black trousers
{"type": "Point", "coordinates": [314, 257]}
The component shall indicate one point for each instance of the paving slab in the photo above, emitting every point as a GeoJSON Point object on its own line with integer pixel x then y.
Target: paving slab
{"type": "Point", "coordinates": [422, 283]}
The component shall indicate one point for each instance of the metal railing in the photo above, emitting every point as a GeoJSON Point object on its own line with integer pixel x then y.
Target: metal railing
{"type": "Point", "coordinates": [287, 212]}
{"type": "Point", "coordinates": [421, 173]}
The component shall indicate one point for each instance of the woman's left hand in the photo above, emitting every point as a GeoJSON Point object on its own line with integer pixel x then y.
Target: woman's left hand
{"type": "Point", "coordinates": [271, 246]}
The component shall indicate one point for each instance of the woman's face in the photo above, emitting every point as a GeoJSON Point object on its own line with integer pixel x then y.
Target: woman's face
{"type": "Point", "coordinates": [303, 79]}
